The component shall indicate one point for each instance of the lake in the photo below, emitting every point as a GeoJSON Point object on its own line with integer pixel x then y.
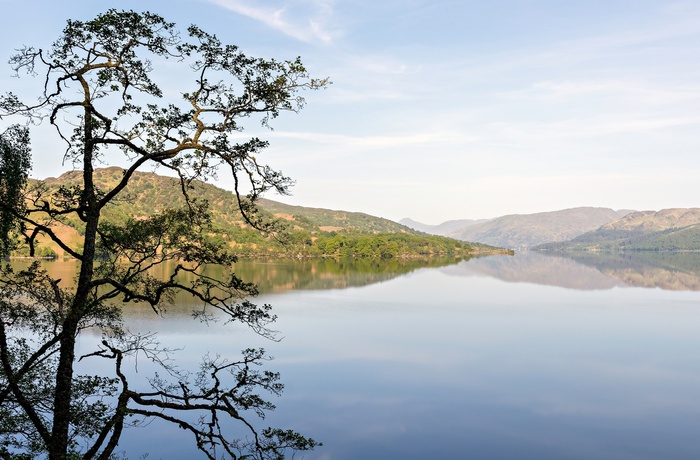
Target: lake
{"type": "Point", "coordinates": [500, 357]}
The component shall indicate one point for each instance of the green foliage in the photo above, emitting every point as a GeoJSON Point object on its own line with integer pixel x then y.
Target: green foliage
{"type": "Point", "coordinates": [299, 233]}
{"type": "Point", "coordinates": [388, 245]}
{"type": "Point", "coordinates": [674, 229]}
{"type": "Point", "coordinates": [99, 92]}
{"type": "Point", "coordinates": [15, 162]}
{"type": "Point", "coordinates": [41, 252]}
{"type": "Point", "coordinates": [315, 218]}
{"type": "Point", "coordinates": [672, 239]}
{"type": "Point", "coordinates": [606, 239]}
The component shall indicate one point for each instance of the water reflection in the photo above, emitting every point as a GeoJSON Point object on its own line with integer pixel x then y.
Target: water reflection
{"type": "Point", "coordinates": [280, 275]}
{"type": "Point", "coordinates": [585, 271]}
{"type": "Point", "coordinates": [590, 271]}
{"type": "Point", "coordinates": [270, 276]}
{"type": "Point", "coordinates": [477, 359]}
{"type": "Point", "coordinates": [676, 271]}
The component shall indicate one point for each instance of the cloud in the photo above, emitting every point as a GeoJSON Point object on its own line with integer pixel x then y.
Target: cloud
{"type": "Point", "coordinates": [589, 127]}
{"type": "Point", "coordinates": [304, 21]}
{"type": "Point", "coordinates": [351, 143]}
{"type": "Point", "coordinates": [564, 90]}
{"type": "Point", "coordinates": [667, 46]}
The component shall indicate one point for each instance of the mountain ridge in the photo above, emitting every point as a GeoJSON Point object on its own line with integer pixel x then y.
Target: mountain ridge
{"type": "Point", "coordinates": [672, 229]}
{"type": "Point", "coordinates": [443, 229]}
{"type": "Point", "coordinates": [300, 231]}
{"type": "Point", "coordinates": [523, 231]}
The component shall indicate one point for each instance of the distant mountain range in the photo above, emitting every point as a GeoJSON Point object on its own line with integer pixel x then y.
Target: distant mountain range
{"type": "Point", "coordinates": [445, 228]}
{"type": "Point", "coordinates": [580, 229]}
{"type": "Point", "coordinates": [312, 229]}
{"type": "Point", "coordinates": [666, 230]}
{"type": "Point", "coordinates": [523, 231]}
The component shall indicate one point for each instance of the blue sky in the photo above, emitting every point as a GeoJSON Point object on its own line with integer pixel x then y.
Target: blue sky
{"type": "Point", "coordinates": [445, 109]}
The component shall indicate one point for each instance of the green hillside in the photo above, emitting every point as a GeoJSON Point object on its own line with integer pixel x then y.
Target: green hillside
{"type": "Point", "coordinates": [148, 193]}
{"type": "Point", "coordinates": [299, 231]}
{"type": "Point", "coordinates": [329, 220]}
{"type": "Point", "coordinates": [666, 230]}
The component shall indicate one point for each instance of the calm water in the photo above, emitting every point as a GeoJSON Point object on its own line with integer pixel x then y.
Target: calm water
{"type": "Point", "coordinates": [527, 357]}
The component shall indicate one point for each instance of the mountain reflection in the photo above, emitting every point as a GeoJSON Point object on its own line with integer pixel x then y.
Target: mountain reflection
{"type": "Point", "coordinates": [589, 271]}
{"type": "Point", "coordinates": [582, 271]}
{"type": "Point", "coordinates": [279, 275]}
{"type": "Point", "coordinates": [271, 276]}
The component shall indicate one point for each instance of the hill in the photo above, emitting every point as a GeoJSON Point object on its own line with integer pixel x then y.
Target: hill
{"type": "Point", "coordinates": [328, 220]}
{"type": "Point", "coordinates": [301, 231]}
{"type": "Point", "coordinates": [522, 231]}
{"type": "Point", "coordinates": [148, 193]}
{"type": "Point", "coordinates": [676, 229]}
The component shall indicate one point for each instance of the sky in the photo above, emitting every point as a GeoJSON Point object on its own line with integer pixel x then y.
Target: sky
{"type": "Point", "coordinates": [449, 109]}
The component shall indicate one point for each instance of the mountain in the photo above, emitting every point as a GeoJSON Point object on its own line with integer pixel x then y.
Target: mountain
{"type": "Point", "coordinates": [444, 229]}
{"type": "Point", "coordinates": [328, 220]}
{"type": "Point", "coordinates": [148, 193]}
{"type": "Point", "coordinates": [676, 229]}
{"type": "Point", "coordinates": [301, 231]}
{"type": "Point", "coordinates": [522, 231]}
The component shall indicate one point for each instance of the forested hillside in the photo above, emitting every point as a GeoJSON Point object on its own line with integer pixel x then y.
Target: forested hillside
{"type": "Point", "coordinates": [675, 229]}
{"type": "Point", "coordinates": [328, 220]}
{"type": "Point", "coordinates": [299, 231]}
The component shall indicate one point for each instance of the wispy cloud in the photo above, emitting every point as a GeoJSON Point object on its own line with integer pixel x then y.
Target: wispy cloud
{"type": "Point", "coordinates": [378, 142]}
{"type": "Point", "coordinates": [644, 46]}
{"type": "Point", "coordinates": [565, 90]}
{"type": "Point", "coordinates": [307, 21]}
{"type": "Point", "coordinates": [585, 128]}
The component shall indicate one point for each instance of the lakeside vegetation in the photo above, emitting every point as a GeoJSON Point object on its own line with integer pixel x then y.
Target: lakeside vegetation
{"type": "Point", "coordinates": [295, 231]}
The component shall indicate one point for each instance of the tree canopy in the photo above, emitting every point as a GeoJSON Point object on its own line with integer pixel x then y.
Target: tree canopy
{"type": "Point", "coordinates": [100, 91]}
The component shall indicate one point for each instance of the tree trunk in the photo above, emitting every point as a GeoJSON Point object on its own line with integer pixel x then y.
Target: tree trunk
{"type": "Point", "coordinates": [58, 450]}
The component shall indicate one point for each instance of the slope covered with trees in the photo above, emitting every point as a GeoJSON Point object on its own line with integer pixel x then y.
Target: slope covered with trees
{"type": "Point", "coordinates": [676, 229]}
{"type": "Point", "coordinates": [297, 231]}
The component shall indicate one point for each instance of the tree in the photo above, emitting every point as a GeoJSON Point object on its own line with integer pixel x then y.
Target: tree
{"type": "Point", "coordinates": [15, 161]}
{"type": "Point", "coordinates": [100, 94]}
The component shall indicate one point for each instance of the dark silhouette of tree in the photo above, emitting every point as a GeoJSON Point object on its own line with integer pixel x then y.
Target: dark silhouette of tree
{"type": "Point", "coordinates": [99, 93]}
